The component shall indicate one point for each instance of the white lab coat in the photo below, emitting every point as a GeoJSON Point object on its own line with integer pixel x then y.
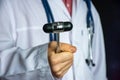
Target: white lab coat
{"type": "Point", "coordinates": [23, 44]}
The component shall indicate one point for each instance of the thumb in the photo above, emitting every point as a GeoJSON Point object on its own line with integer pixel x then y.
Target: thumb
{"type": "Point", "coordinates": [64, 47]}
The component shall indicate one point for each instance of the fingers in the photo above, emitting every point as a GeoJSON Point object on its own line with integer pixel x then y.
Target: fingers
{"type": "Point", "coordinates": [61, 62]}
{"type": "Point", "coordinates": [63, 47]}
{"type": "Point", "coordinates": [59, 71]}
{"type": "Point", "coordinates": [60, 67]}
{"type": "Point", "coordinates": [60, 58]}
{"type": "Point", "coordinates": [62, 72]}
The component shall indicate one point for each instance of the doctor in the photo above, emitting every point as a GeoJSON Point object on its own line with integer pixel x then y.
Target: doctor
{"type": "Point", "coordinates": [27, 54]}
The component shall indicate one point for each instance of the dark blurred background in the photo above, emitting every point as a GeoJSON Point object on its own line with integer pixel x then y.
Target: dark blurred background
{"type": "Point", "coordinates": [109, 11]}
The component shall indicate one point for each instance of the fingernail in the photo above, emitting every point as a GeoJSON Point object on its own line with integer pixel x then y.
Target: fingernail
{"type": "Point", "coordinates": [73, 49]}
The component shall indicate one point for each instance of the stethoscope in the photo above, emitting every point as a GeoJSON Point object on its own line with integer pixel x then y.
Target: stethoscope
{"type": "Point", "coordinates": [90, 27]}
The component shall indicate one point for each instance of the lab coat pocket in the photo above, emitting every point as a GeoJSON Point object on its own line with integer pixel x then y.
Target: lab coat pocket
{"type": "Point", "coordinates": [28, 37]}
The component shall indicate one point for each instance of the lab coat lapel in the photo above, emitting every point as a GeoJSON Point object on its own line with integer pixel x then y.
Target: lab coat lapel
{"type": "Point", "coordinates": [75, 8]}
{"type": "Point", "coordinates": [63, 8]}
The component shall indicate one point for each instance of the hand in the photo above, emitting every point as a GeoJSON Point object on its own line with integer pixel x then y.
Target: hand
{"type": "Point", "coordinates": [62, 61]}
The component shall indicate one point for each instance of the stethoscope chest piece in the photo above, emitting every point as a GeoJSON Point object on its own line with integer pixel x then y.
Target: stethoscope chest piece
{"type": "Point", "coordinates": [90, 62]}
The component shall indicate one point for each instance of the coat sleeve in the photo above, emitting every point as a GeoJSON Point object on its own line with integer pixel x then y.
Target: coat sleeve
{"type": "Point", "coordinates": [17, 63]}
{"type": "Point", "coordinates": [99, 71]}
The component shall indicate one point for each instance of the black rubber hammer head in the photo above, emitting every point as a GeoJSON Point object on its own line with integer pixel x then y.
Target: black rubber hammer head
{"type": "Point", "coordinates": [57, 27]}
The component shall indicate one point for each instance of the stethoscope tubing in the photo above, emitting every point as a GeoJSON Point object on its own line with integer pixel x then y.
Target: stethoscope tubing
{"type": "Point", "coordinates": [50, 18]}
{"type": "Point", "coordinates": [90, 27]}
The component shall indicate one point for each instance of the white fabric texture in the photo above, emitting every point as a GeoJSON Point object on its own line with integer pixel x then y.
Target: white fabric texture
{"type": "Point", "coordinates": [23, 44]}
